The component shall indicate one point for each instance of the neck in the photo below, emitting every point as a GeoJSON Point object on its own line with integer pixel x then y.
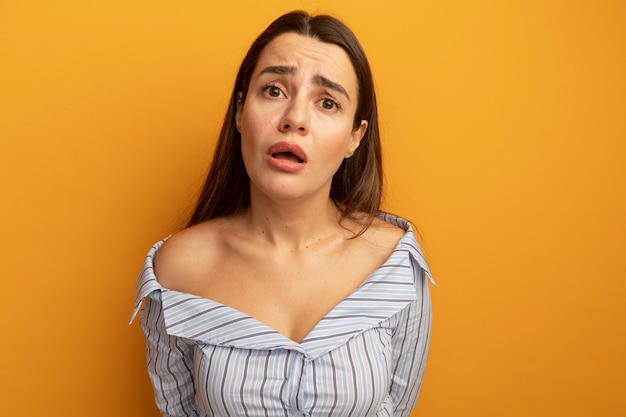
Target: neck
{"type": "Point", "coordinates": [294, 225]}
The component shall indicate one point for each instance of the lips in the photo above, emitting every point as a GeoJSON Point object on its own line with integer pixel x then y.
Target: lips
{"type": "Point", "coordinates": [286, 157]}
{"type": "Point", "coordinates": [287, 151]}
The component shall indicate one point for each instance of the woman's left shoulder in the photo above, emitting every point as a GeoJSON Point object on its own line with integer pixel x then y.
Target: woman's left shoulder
{"type": "Point", "coordinates": [384, 234]}
{"type": "Point", "coordinates": [398, 229]}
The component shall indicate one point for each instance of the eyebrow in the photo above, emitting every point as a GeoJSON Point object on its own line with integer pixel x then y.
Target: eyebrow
{"type": "Point", "coordinates": [318, 79]}
{"type": "Point", "coordinates": [279, 69]}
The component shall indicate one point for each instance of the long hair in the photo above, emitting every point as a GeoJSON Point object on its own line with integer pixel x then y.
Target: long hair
{"type": "Point", "coordinates": [356, 186]}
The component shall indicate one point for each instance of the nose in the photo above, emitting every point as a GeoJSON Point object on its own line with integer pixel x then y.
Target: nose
{"type": "Point", "coordinates": [295, 118]}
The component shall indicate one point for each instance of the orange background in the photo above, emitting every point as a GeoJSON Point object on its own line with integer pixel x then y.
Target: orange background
{"type": "Point", "coordinates": [505, 142]}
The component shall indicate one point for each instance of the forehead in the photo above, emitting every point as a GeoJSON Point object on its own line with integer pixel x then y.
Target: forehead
{"type": "Point", "coordinates": [307, 54]}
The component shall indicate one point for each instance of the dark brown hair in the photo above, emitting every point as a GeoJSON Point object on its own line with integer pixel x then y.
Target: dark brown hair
{"type": "Point", "coordinates": [357, 184]}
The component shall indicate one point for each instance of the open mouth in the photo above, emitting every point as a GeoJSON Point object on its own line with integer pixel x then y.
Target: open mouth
{"type": "Point", "coordinates": [287, 151]}
{"type": "Point", "coordinates": [288, 156]}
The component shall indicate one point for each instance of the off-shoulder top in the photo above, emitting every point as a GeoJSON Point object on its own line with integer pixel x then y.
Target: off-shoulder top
{"type": "Point", "coordinates": [366, 357]}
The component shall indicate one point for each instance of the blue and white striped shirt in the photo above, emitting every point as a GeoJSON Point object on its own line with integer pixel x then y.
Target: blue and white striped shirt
{"type": "Point", "coordinates": [366, 357]}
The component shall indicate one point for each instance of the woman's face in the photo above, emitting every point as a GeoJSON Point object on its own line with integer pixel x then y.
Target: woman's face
{"type": "Point", "coordinates": [296, 121]}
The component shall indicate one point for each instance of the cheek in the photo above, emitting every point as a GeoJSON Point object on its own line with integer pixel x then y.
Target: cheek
{"type": "Point", "coordinates": [249, 130]}
{"type": "Point", "coordinates": [333, 155]}
{"type": "Point", "coordinates": [337, 133]}
{"type": "Point", "coordinates": [256, 123]}
{"type": "Point", "coordinates": [248, 150]}
{"type": "Point", "coordinates": [254, 133]}
{"type": "Point", "coordinates": [343, 143]}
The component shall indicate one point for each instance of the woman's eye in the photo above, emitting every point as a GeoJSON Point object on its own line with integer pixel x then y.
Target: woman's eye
{"type": "Point", "coordinates": [329, 104]}
{"type": "Point", "coordinates": [273, 91]}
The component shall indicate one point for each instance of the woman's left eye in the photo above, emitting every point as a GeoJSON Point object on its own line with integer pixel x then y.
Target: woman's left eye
{"type": "Point", "coordinates": [329, 104]}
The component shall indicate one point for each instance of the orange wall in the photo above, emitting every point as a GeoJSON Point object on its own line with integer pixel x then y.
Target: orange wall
{"type": "Point", "coordinates": [505, 133]}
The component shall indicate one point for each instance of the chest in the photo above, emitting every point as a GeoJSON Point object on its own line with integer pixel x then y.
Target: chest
{"type": "Point", "coordinates": [288, 295]}
{"type": "Point", "coordinates": [353, 379]}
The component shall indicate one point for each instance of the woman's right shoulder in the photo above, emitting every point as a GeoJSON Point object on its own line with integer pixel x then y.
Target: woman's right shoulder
{"type": "Point", "coordinates": [185, 256]}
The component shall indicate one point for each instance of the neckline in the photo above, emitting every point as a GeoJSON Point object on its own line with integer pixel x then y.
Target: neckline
{"type": "Point", "coordinates": [240, 316]}
{"type": "Point", "coordinates": [381, 294]}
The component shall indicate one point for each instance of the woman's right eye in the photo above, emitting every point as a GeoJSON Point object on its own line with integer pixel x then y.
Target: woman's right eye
{"type": "Point", "coordinates": [273, 91]}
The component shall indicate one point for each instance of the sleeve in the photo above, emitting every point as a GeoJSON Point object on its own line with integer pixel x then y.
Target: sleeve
{"type": "Point", "coordinates": [170, 362]}
{"type": "Point", "coordinates": [410, 342]}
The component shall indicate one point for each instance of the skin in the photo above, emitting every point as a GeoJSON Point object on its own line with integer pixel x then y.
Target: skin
{"type": "Point", "coordinates": [286, 261]}
{"type": "Point", "coordinates": [296, 108]}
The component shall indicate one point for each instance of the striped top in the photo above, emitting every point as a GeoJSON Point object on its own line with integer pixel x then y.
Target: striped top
{"type": "Point", "coordinates": [366, 357]}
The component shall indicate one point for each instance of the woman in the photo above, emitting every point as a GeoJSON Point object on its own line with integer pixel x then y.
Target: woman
{"type": "Point", "coordinates": [289, 293]}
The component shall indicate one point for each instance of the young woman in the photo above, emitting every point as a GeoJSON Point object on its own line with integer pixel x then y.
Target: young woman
{"type": "Point", "coordinates": [289, 293]}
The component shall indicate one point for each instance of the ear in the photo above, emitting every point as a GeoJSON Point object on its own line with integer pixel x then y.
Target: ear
{"type": "Point", "coordinates": [239, 110]}
{"type": "Point", "coordinates": [355, 138]}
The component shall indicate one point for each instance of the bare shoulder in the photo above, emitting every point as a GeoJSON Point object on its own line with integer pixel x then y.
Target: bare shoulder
{"type": "Point", "coordinates": [379, 239]}
{"type": "Point", "coordinates": [375, 245]}
{"type": "Point", "coordinates": [383, 234]}
{"type": "Point", "coordinates": [184, 257]}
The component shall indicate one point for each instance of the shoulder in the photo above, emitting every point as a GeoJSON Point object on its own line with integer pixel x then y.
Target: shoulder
{"type": "Point", "coordinates": [183, 257]}
{"type": "Point", "coordinates": [377, 242]}
{"type": "Point", "coordinates": [409, 242]}
{"type": "Point", "coordinates": [385, 233]}
{"type": "Point", "coordinates": [391, 232]}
